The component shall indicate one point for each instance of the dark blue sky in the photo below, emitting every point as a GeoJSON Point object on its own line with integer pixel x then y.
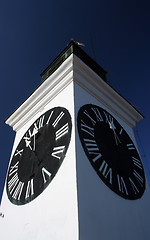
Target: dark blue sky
{"type": "Point", "coordinates": [34, 32]}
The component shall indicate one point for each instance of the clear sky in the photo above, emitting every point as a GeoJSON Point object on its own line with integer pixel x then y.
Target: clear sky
{"type": "Point", "coordinates": [34, 32]}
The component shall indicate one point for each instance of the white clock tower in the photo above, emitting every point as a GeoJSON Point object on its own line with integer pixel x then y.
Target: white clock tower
{"type": "Point", "coordinates": [75, 172]}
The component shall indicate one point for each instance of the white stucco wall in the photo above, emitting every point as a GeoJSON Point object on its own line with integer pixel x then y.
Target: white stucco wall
{"type": "Point", "coordinates": [53, 214]}
{"type": "Point", "coordinates": [76, 205]}
{"type": "Point", "coordinates": [102, 213]}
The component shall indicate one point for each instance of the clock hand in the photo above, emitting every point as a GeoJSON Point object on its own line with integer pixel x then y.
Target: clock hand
{"type": "Point", "coordinates": [116, 138]}
{"type": "Point", "coordinates": [34, 136]}
{"type": "Point", "coordinates": [27, 142]}
{"type": "Point", "coordinates": [35, 131]}
{"type": "Point", "coordinates": [29, 139]}
{"type": "Point", "coordinates": [112, 126]}
{"type": "Point", "coordinates": [34, 142]}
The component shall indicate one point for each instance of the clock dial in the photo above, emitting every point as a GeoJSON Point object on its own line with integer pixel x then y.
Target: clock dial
{"type": "Point", "coordinates": [111, 152]}
{"type": "Point", "coordinates": [39, 155]}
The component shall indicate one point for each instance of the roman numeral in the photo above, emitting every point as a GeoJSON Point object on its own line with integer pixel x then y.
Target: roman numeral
{"type": "Point", "coordinates": [49, 118]}
{"type": "Point", "coordinates": [122, 185]}
{"type": "Point", "coordinates": [12, 183]}
{"type": "Point", "coordinates": [45, 173]}
{"type": "Point", "coordinates": [106, 171]}
{"type": "Point", "coordinates": [13, 169]}
{"type": "Point", "coordinates": [87, 129]}
{"type": "Point", "coordinates": [107, 117]}
{"type": "Point", "coordinates": [18, 191]}
{"type": "Point", "coordinates": [130, 146]}
{"type": "Point", "coordinates": [41, 122]}
{"type": "Point", "coordinates": [27, 142]}
{"type": "Point", "coordinates": [29, 133]}
{"type": "Point", "coordinates": [98, 114]}
{"type": "Point", "coordinates": [135, 189]}
{"type": "Point", "coordinates": [92, 148]}
{"type": "Point", "coordinates": [87, 114]}
{"type": "Point", "coordinates": [54, 124]}
{"type": "Point", "coordinates": [18, 152]}
{"type": "Point", "coordinates": [38, 124]}
{"type": "Point", "coordinates": [62, 131]}
{"type": "Point", "coordinates": [58, 151]}
{"type": "Point", "coordinates": [121, 130]}
{"type": "Point", "coordinates": [29, 190]}
{"type": "Point", "coordinates": [138, 177]}
{"type": "Point", "coordinates": [137, 162]}
{"type": "Point", "coordinates": [15, 186]}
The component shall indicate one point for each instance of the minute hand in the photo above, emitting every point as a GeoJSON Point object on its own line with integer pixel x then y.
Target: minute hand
{"type": "Point", "coordinates": [112, 126]}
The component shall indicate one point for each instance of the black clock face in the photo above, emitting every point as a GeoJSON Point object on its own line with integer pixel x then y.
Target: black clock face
{"type": "Point", "coordinates": [39, 155]}
{"type": "Point", "coordinates": [111, 152]}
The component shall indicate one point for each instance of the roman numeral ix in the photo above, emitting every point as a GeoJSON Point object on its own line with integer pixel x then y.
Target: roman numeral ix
{"type": "Point", "coordinates": [13, 169]}
{"type": "Point", "coordinates": [62, 131]}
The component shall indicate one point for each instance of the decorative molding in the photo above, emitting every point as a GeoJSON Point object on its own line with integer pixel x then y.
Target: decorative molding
{"type": "Point", "coordinates": [102, 91]}
{"type": "Point", "coordinates": [48, 90]}
{"type": "Point", "coordinates": [74, 69]}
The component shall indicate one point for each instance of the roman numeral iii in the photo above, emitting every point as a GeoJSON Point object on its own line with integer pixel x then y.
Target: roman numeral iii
{"type": "Point", "coordinates": [62, 131]}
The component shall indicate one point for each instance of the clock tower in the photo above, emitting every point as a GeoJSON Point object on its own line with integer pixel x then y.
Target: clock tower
{"type": "Point", "coordinates": [75, 171]}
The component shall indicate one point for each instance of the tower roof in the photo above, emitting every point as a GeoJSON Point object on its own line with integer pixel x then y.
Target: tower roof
{"type": "Point", "coordinates": [72, 47]}
{"type": "Point", "coordinates": [71, 64]}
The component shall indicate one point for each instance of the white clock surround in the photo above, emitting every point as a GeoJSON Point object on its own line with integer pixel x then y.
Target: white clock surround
{"type": "Point", "coordinates": [76, 205]}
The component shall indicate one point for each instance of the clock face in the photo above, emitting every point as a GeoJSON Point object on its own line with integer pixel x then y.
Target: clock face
{"type": "Point", "coordinates": [111, 152]}
{"type": "Point", "coordinates": [39, 155]}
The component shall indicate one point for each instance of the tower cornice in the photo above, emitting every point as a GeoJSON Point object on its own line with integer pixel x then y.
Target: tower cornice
{"type": "Point", "coordinates": [73, 64]}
